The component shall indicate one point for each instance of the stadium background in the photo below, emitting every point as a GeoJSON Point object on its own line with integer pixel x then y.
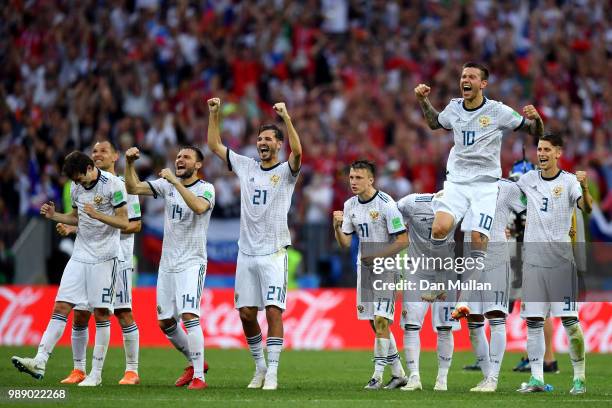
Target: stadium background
{"type": "Point", "coordinates": [138, 72]}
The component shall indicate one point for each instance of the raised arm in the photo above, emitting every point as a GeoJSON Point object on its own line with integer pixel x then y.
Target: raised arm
{"type": "Point", "coordinates": [295, 157]}
{"type": "Point", "coordinates": [214, 132]}
{"type": "Point", "coordinates": [133, 185]}
{"type": "Point", "coordinates": [197, 204]}
{"type": "Point", "coordinates": [48, 210]}
{"type": "Point", "coordinates": [586, 201]}
{"type": "Point", "coordinates": [343, 239]}
{"type": "Point", "coordinates": [430, 114]}
{"type": "Point", "coordinates": [534, 125]}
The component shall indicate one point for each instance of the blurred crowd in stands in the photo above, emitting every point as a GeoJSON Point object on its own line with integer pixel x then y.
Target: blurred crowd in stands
{"type": "Point", "coordinates": [138, 72]}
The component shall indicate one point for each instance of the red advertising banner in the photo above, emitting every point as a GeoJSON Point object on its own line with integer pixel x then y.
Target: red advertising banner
{"type": "Point", "coordinates": [314, 319]}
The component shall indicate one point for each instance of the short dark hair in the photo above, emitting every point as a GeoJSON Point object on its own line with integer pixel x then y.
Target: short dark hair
{"type": "Point", "coordinates": [76, 163]}
{"type": "Point", "coordinates": [364, 164]}
{"type": "Point", "coordinates": [110, 142]}
{"type": "Point", "coordinates": [484, 72]}
{"type": "Point", "coordinates": [270, 126]}
{"type": "Point", "coordinates": [198, 152]}
{"type": "Point", "coordinates": [555, 139]}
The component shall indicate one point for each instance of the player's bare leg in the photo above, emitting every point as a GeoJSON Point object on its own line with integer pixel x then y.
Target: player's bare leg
{"type": "Point", "coordinates": [102, 318]}
{"type": "Point", "coordinates": [130, 345]}
{"type": "Point", "coordinates": [274, 344]}
{"type": "Point", "coordinates": [79, 339]}
{"type": "Point", "coordinates": [177, 336]}
{"type": "Point", "coordinates": [36, 366]}
{"type": "Point", "coordinates": [252, 332]}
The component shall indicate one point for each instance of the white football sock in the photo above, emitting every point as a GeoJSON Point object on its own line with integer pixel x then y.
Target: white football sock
{"type": "Point", "coordinates": [576, 347]}
{"type": "Point", "coordinates": [445, 351]}
{"type": "Point", "coordinates": [536, 347]}
{"type": "Point", "coordinates": [131, 345]}
{"type": "Point", "coordinates": [498, 345]}
{"type": "Point", "coordinates": [100, 347]}
{"type": "Point", "coordinates": [50, 337]}
{"type": "Point", "coordinates": [79, 339]}
{"type": "Point", "coordinates": [412, 347]}
{"type": "Point", "coordinates": [256, 348]}
{"type": "Point", "coordinates": [393, 358]}
{"type": "Point", "coordinates": [274, 346]}
{"type": "Point", "coordinates": [478, 338]}
{"type": "Point", "coordinates": [195, 341]}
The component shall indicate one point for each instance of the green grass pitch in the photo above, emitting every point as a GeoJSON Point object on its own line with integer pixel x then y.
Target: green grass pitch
{"type": "Point", "coordinates": [306, 378]}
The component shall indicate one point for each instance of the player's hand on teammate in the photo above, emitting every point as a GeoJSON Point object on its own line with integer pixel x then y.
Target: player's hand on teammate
{"type": "Point", "coordinates": [214, 104]}
{"type": "Point", "coordinates": [48, 209]}
{"type": "Point", "coordinates": [531, 112]}
{"type": "Point", "coordinates": [132, 154]}
{"type": "Point", "coordinates": [338, 216]}
{"type": "Point", "coordinates": [581, 176]}
{"type": "Point", "coordinates": [169, 176]}
{"type": "Point", "coordinates": [281, 110]}
{"type": "Point", "coordinates": [90, 210]}
{"type": "Point", "coordinates": [422, 91]}
{"type": "Point", "coordinates": [65, 230]}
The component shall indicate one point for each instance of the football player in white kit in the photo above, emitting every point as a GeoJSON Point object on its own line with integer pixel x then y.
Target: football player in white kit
{"type": "Point", "coordinates": [549, 269]}
{"type": "Point", "coordinates": [418, 217]}
{"type": "Point", "coordinates": [493, 304]}
{"type": "Point", "coordinates": [99, 209]}
{"type": "Point", "coordinates": [182, 269]}
{"type": "Point", "coordinates": [104, 155]}
{"type": "Point", "coordinates": [374, 217]}
{"type": "Point", "coordinates": [473, 166]}
{"type": "Point", "coordinates": [266, 188]}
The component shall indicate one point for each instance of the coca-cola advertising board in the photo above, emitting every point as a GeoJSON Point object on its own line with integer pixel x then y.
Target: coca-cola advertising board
{"type": "Point", "coordinates": [315, 319]}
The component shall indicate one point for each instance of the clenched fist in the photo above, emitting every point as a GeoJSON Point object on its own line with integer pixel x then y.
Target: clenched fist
{"type": "Point", "coordinates": [168, 175]}
{"type": "Point", "coordinates": [214, 104]}
{"type": "Point", "coordinates": [132, 154]}
{"type": "Point", "coordinates": [281, 109]}
{"type": "Point", "coordinates": [531, 112]}
{"type": "Point", "coordinates": [422, 91]}
{"type": "Point", "coordinates": [338, 217]}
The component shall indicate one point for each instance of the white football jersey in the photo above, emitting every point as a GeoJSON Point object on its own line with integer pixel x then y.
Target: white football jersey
{"type": "Point", "coordinates": [96, 241]}
{"type": "Point", "coordinates": [510, 199]}
{"type": "Point", "coordinates": [550, 204]}
{"type": "Point", "coordinates": [418, 215]}
{"type": "Point", "coordinates": [477, 134]}
{"type": "Point", "coordinates": [265, 198]}
{"type": "Point", "coordinates": [127, 240]}
{"type": "Point", "coordinates": [375, 220]}
{"type": "Point", "coordinates": [185, 232]}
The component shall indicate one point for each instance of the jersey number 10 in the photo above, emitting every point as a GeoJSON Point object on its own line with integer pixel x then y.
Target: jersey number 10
{"type": "Point", "coordinates": [468, 137]}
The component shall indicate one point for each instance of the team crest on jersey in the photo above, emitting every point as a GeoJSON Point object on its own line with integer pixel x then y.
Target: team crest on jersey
{"type": "Point", "coordinates": [557, 191]}
{"type": "Point", "coordinates": [484, 121]}
{"type": "Point", "coordinates": [404, 313]}
{"type": "Point", "coordinates": [235, 297]}
{"type": "Point", "coordinates": [98, 199]}
{"type": "Point", "coordinates": [159, 309]}
{"type": "Point", "coordinates": [275, 179]}
{"type": "Point", "coordinates": [374, 215]}
{"type": "Point", "coordinates": [360, 308]}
